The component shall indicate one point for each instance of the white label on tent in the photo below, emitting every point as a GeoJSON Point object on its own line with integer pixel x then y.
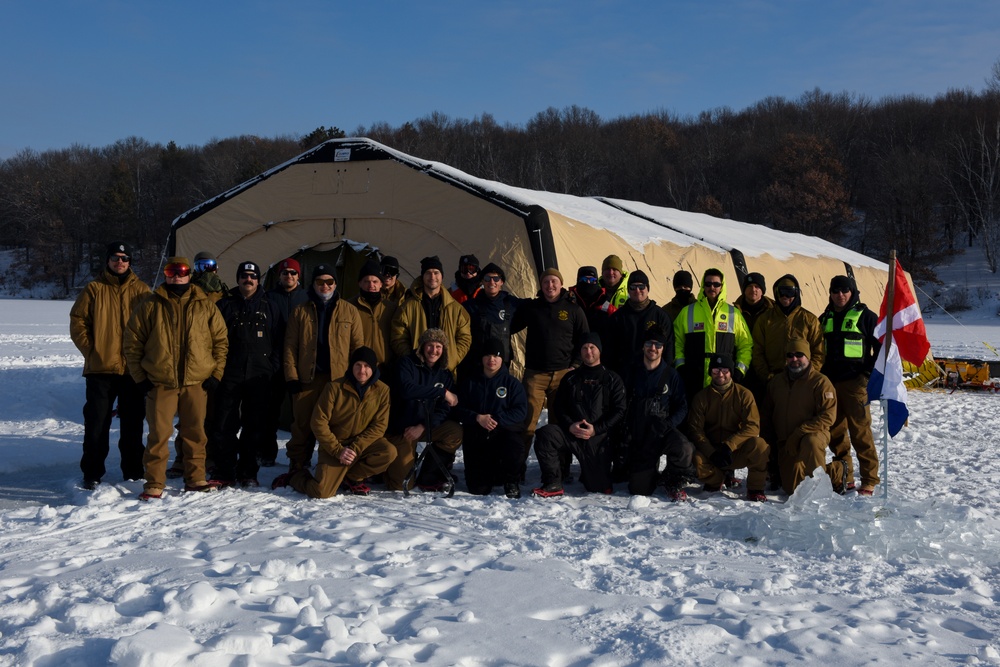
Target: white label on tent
{"type": "Point", "coordinates": [342, 155]}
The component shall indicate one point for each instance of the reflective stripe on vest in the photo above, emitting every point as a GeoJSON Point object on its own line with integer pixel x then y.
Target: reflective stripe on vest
{"type": "Point", "coordinates": [854, 341]}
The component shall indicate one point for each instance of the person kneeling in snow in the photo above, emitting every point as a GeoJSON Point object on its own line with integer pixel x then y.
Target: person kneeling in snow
{"type": "Point", "coordinates": [349, 422]}
{"type": "Point", "coordinates": [589, 403]}
{"type": "Point", "coordinates": [725, 427]}
{"type": "Point", "coordinates": [656, 407]}
{"type": "Point", "coordinates": [799, 410]}
{"type": "Point", "coordinates": [422, 401]}
{"type": "Point", "coordinates": [492, 413]}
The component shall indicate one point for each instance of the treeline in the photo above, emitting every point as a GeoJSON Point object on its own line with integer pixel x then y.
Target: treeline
{"type": "Point", "coordinates": [915, 174]}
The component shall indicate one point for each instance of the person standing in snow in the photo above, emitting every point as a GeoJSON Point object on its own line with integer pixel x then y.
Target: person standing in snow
{"type": "Point", "coordinates": [656, 408]}
{"type": "Point", "coordinates": [491, 314]}
{"type": "Point", "coordinates": [851, 348]}
{"type": "Point", "coordinates": [392, 289]}
{"type": "Point", "coordinates": [242, 399]}
{"type": "Point", "coordinates": [627, 328]}
{"type": "Point", "coordinates": [724, 425]}
{"type": "Point", "coordinates": [428, 306]}
{"type": "Point", "coordinates": [467, 279]}
{"type": "Point", "coordinates": [555, 327]}
{"type": "Point", "coordinates": [683, 283]}
{"type": "Point", "coordinates": [753, 305]}
{"type": "Point", "coordinates": [349, 422]}
{"type": "Point", "coordinates": [708, 327]}
{"type": "Point", "coordinates": [589, 403]}
{"type": "Point", "coordinates": [589, 295]}
{"type": "Point", "coordinates": [288, 294]}
{"type": "Point", "coordinates": [492, 412]}
{"type": "Point", "coordinates": [97, 324]}
{"type": "Point", "coordinates": [614, 280]}
{"type": "Point", "coordinates": [376, 312]}
{"type": "Point", "coordinates": [321, 335]}
{"type": "Point", "coordinates": [799, 410]}
{"type": "Point", "coordinates": [176, 347]}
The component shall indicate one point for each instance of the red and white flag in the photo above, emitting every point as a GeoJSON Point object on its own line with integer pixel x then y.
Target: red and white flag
{"type": "Point", "coordinates": [908, 330]}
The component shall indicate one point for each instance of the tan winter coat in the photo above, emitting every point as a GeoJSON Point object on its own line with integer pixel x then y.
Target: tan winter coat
{"type": "Point", "coordinates": [176, 341]}
{"type": "Point", "coordinates": [376, 325]}
{"type": "Point", "coordinates": [341, 419]}
{"type": "Point", "coordinates": [98, 319]}
{"type": "Point", "coordinates": [774, 329]}
{"type": "Point", "coordinates": [411, 321]}
{"type": "Point", "coordinates": [795, 408]}
{"type": "Point", "coordinates": [722, 419]}
{"type": "Point", "coordinates": [302, 336]}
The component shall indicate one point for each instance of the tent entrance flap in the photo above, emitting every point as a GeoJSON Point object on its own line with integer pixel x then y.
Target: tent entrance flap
{"type": "Point", "coordinates": [347, 258]}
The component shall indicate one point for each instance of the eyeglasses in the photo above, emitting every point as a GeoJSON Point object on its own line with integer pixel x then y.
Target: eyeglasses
{"type": "Point", "coordinates": [289, 272]}
{"type": "Point", "coordinates": [714, 284]}
{"type": "Point", "coordinates": [124, 259]}
{"type": "Point", "coordinates": [637, 287]}
{"type": "Point", "coordinates": [795, 355]}
{"type": "Point", "coordinates": [720, 371]}
{"type": "Point", "coordinates": [840, 291]}
{"type": "Point", "coordinates": [202, 265]}
{"type": "Point", "coordinates": [246, 276]}
{"type": "Point", "coordinates": [492, 279]}
{"type": "Point", "coordinates": [176, 270]}
{"type": "Point", "coordinates": [655, 344]}
{"type": "Point", "coordinates": [588, 280]}
{"type": "Point", "coordinates": [788, 292]}
{"type": "Point", "coordinates": [328, 282]}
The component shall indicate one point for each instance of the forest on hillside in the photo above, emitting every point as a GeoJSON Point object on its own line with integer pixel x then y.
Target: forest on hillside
{"type": "Point", "coordinates": [912, 173]}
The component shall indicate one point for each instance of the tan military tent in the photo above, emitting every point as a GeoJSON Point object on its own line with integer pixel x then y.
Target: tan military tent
{"type": "Point", "coordinates": [348, 198]}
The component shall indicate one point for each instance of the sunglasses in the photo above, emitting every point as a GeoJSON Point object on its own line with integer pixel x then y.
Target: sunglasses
{"type": "Point", "coordinates": [840, 291]}
{"type": "Point", "coordinates": [637, 287]}
{"type": "Point", "coordinates": [712, 284]}
{"type": "Point", "coordinates": [124, 259]}
{"type": "Point", "coordinates": [320, 282]}
{"type": "Point", "coordinates": [390, 272]}
{"type": "Point", "coordinates": [588, 280]}
{"type": "Point", "coordinates": [492, 279]}
{"type": "Point", "coordinates": [244, 276]}
{"type": "Point", "coordinates": [202, 265]}
{"type": "Point", "coordinates": [176, 270]}
{"type": "Point", "coordinates": [470, 268]}
{"type": "Point", "coordinates": [788, 292]}
{"type": "Point", "coordinates": [289, 272]}
{"type": "Point", "coordinates": [795, 355]}
{"type": "Point", "coordinates": [653, 344]}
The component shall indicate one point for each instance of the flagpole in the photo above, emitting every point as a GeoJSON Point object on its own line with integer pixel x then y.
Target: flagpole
{"type": "Point", "coordinates": [889, 315]}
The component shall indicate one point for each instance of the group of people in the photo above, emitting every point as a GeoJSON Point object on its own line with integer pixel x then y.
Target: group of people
{"type": "Point", "coordinates": [711, 386]}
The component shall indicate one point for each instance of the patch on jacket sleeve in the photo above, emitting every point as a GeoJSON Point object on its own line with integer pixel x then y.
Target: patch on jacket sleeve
{"type": "Point", "coordinates": [828, 394]}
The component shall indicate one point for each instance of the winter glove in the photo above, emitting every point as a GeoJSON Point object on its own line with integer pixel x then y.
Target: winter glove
{"type": "Point", "coordinates": [145, 386]}
{"type": "Point", "coordinates": [722, 457]}
{"type": "Point", "coordinates": [294, 387]}
{"type": "Point", "coordinates": [210, 384]}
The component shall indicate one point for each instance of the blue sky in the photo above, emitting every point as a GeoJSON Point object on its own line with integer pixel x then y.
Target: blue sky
{"type": "Point", "coordinates": [94, 72]}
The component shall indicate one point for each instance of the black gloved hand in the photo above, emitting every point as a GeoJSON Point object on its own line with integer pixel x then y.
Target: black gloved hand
{"type": "Point", "coordinates": [294, 386]}
{"type": "Point", "coordinates": [145, 386]}
{"type": "Point", "coordinates": [210, 384]}
{"type": "Point", "coordinates": [722, 457]}
{"type": "Point", "coordinates": [738, 375]}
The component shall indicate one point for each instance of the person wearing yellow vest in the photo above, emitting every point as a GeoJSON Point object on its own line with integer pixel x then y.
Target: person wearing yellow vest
{"type": "Point", "coordinates": [851, 349]}
{"type": "Point", "coordinates": [708, 327]}
{"type": "Point", "coordinates": [614, 280]}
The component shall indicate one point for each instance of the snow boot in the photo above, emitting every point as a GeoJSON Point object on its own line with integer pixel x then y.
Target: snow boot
{"type": "Point", "coordinates": [550, 490]}
{"type": "Point", "coordinates": [512, 490]}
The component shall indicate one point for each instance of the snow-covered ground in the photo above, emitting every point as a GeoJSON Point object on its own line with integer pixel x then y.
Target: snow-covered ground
{"type": "Point", "coordinates": [271, 578]}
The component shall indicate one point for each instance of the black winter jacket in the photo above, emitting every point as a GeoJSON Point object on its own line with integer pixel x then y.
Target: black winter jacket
{"type": "Point", "coordinates": [490, 318]}
{"type": "Point", "coordinates": [626, 330]}
{"type": "Point", "coordinates": [656, 401]}
{"type": "Point", "coordinates": [419, 387]}
{"type": "Point", "coordinates": [255, 340]}
{"type": "Point", "coordinates": [554, 332]}
{"type": "Point", "coordinates": [594, 393]}
{"type": "Point", "coordinates": [501, 396]}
